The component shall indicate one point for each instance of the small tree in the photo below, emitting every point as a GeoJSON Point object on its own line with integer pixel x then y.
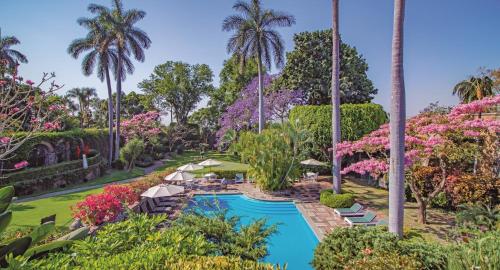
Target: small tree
{"type": "Point", "coordinates": [438, 147]}
{"type": "Point", "coordinates": [130, 152]}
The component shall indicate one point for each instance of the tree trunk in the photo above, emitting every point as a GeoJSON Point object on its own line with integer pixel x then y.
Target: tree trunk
{"type": "Point", "coordinates": [422, 212]}
{"type": "Point", "coordinates": [336, 162]}
{"type": "Point", "coordinates": [118, 104]}
{"type": "Point", "coordinates": [110, 118]}
{"type": "Point", "coordinates": [261, 94]}
{"type": "Point", "coordinates": [397, 125]}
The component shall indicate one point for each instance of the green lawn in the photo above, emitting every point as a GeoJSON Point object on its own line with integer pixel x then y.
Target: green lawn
{"type": "Point", "coordinates": [439, 222]}
{"type": "Point", "coordinates": [29, 213]}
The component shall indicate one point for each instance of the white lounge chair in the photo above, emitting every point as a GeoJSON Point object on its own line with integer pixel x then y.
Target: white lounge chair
{"type": "Point", "coordinates": [239, 178]}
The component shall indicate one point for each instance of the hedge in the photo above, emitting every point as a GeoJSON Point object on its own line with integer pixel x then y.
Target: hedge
{"type": "Point", "coordinates": [228, 174]}
{"type": "Point", "coordinates": [67, 167]}
{"type": "Point", "coordinates": [356, 120]}
{"type": "Point", "coordinates": [328, 198]}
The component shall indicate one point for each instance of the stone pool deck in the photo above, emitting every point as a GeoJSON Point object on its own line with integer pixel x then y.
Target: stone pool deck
{"type": "Point", "coordinates": [321, 218]}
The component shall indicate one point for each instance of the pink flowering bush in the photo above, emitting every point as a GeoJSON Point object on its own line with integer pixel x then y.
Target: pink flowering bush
{"type": "Point", "coordinates": [123, 193]}
{"type": "Point", "coordinates": [446, 144]}
{"type": "Point", "coordinates": [97, 209]}
{"type": "Point", "coordinates": [144, 126]}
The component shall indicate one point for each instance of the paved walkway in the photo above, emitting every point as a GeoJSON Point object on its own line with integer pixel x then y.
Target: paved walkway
{"type": "Point", "coordinates": [147, 170]}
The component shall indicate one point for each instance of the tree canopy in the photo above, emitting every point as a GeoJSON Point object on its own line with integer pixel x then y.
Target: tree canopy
{"type": "Point", "coordinates": [178, 86]}
{"type": "Point", "coordinates": [309, 68]}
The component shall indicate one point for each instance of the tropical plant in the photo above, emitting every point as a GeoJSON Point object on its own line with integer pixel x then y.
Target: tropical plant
{"type": "Point", "coordinates": [336, 162]}
{"type": "Point", "coordinates": [255, 38]}
{"type": "Point", "coordinates": [178, 86]}
{"type": "Point", "coordinates": [130, 152]}
{"type": "Point", "coordinates": [335, 200]}
{"type": "Point", "coordinates": [479, 216]}
{"type": "Point", "coordinates": [474, 88]}
{"type": "Point", "coordinates": [479, 253]}
{"type": "Point", "coordinates": [83, 96]}
{"type": "Point", "coordinates": [274, 155]}
{"type": "Point", "coordinates": [126, 38]}
{"type": "Point", "coordinates": [397, 125]}
{"type": "Point", "coordinates": [13, 57]}
{"type": "Point", "coordinates": [28, 246]}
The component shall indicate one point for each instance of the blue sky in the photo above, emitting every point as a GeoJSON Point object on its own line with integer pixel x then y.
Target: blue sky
{"type": "Point", "coordinates": [445, 40]}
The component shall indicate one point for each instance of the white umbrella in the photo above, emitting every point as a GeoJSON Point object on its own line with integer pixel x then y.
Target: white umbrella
{"type": "Point", "coordinates": [162, 191]}
{"type": "Point", "coordinates": [210, 162]}
{"type": "Point", "coordinates": [312, 162]}
{"type": "Point", "coordinates": [190, 167]}
{"type": "Point", "coordinates": [179, 176]}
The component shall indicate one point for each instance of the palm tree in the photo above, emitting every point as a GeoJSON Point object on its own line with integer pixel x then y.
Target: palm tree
{"type": "Point", "coordinates": [83, 95]}
{"type": "Point", "coordinates": [397, 125]}
{"type": "Point", "coordinates": [335, 96]}
{"type": "Point", "coordinates": [475, 88]}
{"type": "Point", "coordinates": [11, 56]}
{"type": "Point", "coordinates": [254, 38]}
{"type": "Point", "coordinates": [126, 38]}
{"type": "Point", "coordinates": [101, 57]}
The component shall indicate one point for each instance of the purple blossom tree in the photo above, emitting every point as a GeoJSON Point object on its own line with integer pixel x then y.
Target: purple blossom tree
{"type": "Point", "coordinates": [243, 114]}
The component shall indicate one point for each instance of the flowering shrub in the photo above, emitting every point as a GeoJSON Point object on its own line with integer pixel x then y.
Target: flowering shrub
{"type": "Point", "coordinates": [97, 209]}
{"type": "Point", "coordinates": [21, 164]}
{"type": "Point", "coordinates": [442, 142]}
{"type": "Point", "coordinates": [243, 114]}
{"type": "Point", "coordinates": [125, 194]}
{"type": "Point", "coordinates": [144, 126]}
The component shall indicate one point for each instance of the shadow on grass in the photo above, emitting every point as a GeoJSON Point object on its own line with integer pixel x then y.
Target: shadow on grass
{"type": "Point", "coordinates": [20, 207]}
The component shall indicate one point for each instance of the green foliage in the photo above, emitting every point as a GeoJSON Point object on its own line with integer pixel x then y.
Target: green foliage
{"type": "Point", "coordinates": [384, 261]}
{"type": "Point", "coordinates": [274, 155]}
{"type": "Point", "coordinates": [178, 86]}
{"type": "Point", "coordinates": [131, 151]}
{"type": "Point", "coordinates": [478, 217]}
{"type": "Point", "coordinates": [480, 253]}
{"type": "Point", "coordinates": [304, 71]}
{"type": "Point", "coordinates": [219, 263]}
{"type": "Point", "coordinates": [227, 235]}
{"type": "Point", "coordinates": [346, 246]}
{"type": "Point", "coordinates": [441, 201]}
{"type": "Point", "coordinates": [330, 199]}
{"type": "Point", "coordinates": [356, 120]}
{"type": "Point", "coordinates": [225, 173]}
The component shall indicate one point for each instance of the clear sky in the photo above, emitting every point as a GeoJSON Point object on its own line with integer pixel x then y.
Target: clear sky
{"type": "Point", "coordinates": [445, 40]}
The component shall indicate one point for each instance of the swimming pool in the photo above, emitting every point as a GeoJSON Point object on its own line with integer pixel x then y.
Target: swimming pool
{"type": "Point", "coordinates": [295, 241]}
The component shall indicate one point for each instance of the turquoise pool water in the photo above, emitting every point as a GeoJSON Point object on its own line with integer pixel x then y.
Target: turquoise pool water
{"type": "Point", "coordinates": [295, 241]}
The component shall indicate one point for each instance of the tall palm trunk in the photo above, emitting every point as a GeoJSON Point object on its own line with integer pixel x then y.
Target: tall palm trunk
{"type": "Point", "coordinates": [82, 112]}
{"type": "Point", "coordinates": [262, 121]}
{"type": "Point", "coordinates": [110, 118]}
{"type": "Point", "coordinates": [118, 103]}
{"type": "Point", "coordinates": [397, 125]}
{"type": "Point", "coordinates": [336, 162]}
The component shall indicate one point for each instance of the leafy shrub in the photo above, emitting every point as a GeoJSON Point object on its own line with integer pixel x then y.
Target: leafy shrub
{"type": "Point", "coordinates": [144, 160]}
{"type": "Point", "coordinates": [273, 155]}
{"type": "Point", "coordinates": [384, 261]}
{"type": "Point", "coordinates": [330, 199]}
{"type": "Point", "coordinates": [467, 188]}
{"type": "Point", "coordinates": [356, 121]}
{"type": "Point", "coordinates": [478, 217]}
{"type": "Point", "coordinates": [97, 209]}
{"type": "Point", "coordinates": [441, 201]}
{"type": "Point", "coordinates": [345, 245]}
{"type": "Point", "coordinates": [228, 174]}
{"type": "Point", "coordinates": [219, 263]}
{"type": "Point", "coordinates": [130, 152]}
{"type": "Point", "coordinates": [480, 253]}
{"type": "Point", "coordinates": [153, 179]}
{"type": "Point", "coordinates": [123, 193]}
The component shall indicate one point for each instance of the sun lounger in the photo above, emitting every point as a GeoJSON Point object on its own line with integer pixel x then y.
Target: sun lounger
{"type": "Point", "coordinates": [367, 220]}
{"type": "Point", "coordinates": [353, 211]}
{"type": "Point", "coordinates": [152, 208]}
{"type": "Point", "coordinates": [160, 203]}
{"type": "Point", "coordinates": [239, 178]}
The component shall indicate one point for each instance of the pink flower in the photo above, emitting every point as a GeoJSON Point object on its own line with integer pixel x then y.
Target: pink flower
{"type": "Point", "coordinates": [2, 82]}
{"type": "Point", "coordinates": [4, 140]}
{"type": "Point", "coordinates": [21, 164]}
{"type": "Point", "coordinates": [30, 82]}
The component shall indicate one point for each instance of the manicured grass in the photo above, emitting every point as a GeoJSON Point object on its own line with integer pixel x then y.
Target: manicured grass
{"type": "Point", "coordinates": [29, 213]}
{"type": "Point", "coordinates": [112, 176]}
{"type": "Point", "coordinates": [439, 222]}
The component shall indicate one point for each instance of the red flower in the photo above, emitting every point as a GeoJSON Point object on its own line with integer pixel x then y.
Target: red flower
{"type": "Point", "coordinates": [2, 82]}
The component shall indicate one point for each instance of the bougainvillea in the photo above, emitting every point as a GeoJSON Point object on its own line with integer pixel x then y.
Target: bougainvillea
{"type": "Point", "coordinates": [435, 140]}
{"type": "Point", "coordinates": [144, 126]}
{"type": "Point", "coordinates": [243, 114]}
{"type": "Point", "coordinates": [97, 209]}
{"type": "Point", "coordinates": [123, 193]}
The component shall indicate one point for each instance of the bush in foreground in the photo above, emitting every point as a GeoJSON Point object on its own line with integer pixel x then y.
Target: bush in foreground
{"type": "Point", "coordinates": [330, 199]}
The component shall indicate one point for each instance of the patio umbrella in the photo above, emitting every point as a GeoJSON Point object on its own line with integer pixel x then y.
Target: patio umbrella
{"type": "Point", "coordinates": [179, 176]}
{"type": "Point", "coordinates": [190, 167]}
{"type": "Point", "coordinates": [210, 162]}
{"type": "Point", "coordinates": [312, 162]}
{"type": "Point", "coordinates": [162, 190]}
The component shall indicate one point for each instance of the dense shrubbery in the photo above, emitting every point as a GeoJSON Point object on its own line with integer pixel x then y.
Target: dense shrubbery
{"type": "Point", "coordinates": [130, 152]}
{"type": "Point", "coordinates": [330, 199]}
{"type": "Point", "coordinates": [479, 253]}
{"type": "Point", "coordinates": [356, 121]}
{"type": "Point", "coordinates": [273, 155]}
{"type": "Point", "coordinates": [352, 247]}
{"type": "Point", "coordinates": [137, 244]}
